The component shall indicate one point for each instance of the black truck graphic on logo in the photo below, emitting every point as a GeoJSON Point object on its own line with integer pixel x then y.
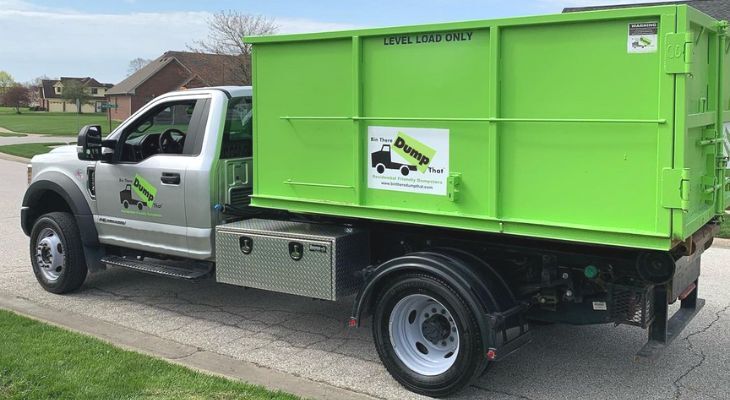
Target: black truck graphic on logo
{"type": "Point", "coordinates": [381, 160]}
{"type": "Point", "coordinates": [125, 197]}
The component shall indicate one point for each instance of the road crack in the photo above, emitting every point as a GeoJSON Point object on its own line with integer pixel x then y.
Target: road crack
{"type": "Point", "coordinates": [701, 354]}
{"type": "Point", "coordinates": [490, 390]}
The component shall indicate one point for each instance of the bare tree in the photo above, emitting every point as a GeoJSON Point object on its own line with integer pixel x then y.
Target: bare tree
{"type": "Point", "coordinates": [16, 96]}
{"type": "Point", "coordinates": [34, 90]}
{"type": "Point", "coordinates": [226, 32]}
{"type": "Point", "coordinates": [137, 64]}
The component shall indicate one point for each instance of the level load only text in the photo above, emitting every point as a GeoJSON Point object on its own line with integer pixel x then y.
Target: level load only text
{"type": "Point", "coordinates": [421, 38]}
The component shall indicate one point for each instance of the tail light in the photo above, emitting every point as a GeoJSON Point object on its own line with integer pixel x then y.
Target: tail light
{"type": "Point", "coordinates": [30, 173]}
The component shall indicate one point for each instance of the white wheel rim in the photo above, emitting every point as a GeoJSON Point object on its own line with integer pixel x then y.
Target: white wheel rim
{"type": "Point", "coordinates": [424, 335]}
{"type": "Point", "coordinates": [49, 255]}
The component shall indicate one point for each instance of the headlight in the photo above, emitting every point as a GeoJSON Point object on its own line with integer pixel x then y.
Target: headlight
{"type": "Point", "coordinates": [30, 173]}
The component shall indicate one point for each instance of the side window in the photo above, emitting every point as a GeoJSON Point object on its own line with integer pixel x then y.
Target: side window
{"type": "Point", "coordinates": [163, 130]}
{"type": "Point", "coordinates": [238, 130]}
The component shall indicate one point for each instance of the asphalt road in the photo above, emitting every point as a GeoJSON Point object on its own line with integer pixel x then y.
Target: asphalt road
{"type": "Point", "coordinates": [309, 339]}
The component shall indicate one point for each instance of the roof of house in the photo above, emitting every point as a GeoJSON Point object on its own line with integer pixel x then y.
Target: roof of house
{"type": "Point", "coordinates": [47, 91]}
{"type": "Point", "coordinates": [208, 69]}
{"type": "Point", "coordinates": [718, 9]}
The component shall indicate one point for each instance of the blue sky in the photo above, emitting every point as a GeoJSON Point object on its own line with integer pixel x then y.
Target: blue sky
{"type": "Point", "coordinates": [99, 38]}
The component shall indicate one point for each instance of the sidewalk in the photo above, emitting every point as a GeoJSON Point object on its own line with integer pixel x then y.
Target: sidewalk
{"type": "Point", "coordinates": [33, 138]}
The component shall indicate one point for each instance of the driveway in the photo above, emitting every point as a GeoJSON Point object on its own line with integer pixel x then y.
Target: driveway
{"type": "Point", "coordinates": [309, 339]}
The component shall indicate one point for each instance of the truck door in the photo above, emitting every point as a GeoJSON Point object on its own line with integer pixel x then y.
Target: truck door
{"type": "Point", "coordinates": [140, 192]}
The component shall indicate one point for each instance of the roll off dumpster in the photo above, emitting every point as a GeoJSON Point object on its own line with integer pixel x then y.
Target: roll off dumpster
{"type": "Point", "coordinates": [600, 127]}
{"type": "Point", "coordinates": [455, 182]}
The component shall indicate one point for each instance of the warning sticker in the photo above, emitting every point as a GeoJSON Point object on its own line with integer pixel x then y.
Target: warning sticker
{"type": "Point", "coordinates": [412, 160]}
{"type": "Point", "coordinates": [643, 37]}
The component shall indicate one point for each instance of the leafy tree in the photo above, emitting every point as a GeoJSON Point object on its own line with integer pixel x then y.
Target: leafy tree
{"type": "Point", "coordinates": [16, 96]}
{"type": "Point", "coordinates": [6, 82]}
{"type": "Point", "coordinates": [74, 92]}
{"type": "Point", "coordinates": [226, 32]}
{"type": "Point", "coordinates": [137, 64]}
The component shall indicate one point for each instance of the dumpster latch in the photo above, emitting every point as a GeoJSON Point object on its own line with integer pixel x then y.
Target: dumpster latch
{"type": "Point", "coordinates": [675, 188]}
{"type": "Point", "coordinates": [453, 186]}
{"type": "Point", "coordinates": [679, 48]}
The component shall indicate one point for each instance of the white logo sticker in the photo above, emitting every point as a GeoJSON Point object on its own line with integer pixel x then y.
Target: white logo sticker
{"type": "Point", "coordinates": [412, 160]}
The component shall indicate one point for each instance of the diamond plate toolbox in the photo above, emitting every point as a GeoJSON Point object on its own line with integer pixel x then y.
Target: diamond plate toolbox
{"type": "Point", "coordinates": [305, 259]}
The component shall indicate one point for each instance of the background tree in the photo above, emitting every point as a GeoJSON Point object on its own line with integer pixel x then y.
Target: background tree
{"type": "Point", "coordinates": [226, 32]}
{"type": "Point", "coordinates": [6, 82]}
{"type": "Point", "coordinates": [16, 96]}
{"type": "Point", "coordinates": [34, 90]}
{"type": "Point", "coordinates": [74, 92]}
{"type": "Point", "coordinates": [137, 64]}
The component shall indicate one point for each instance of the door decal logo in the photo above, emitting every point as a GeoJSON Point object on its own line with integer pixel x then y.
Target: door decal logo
{"type": "Point", "coordinates": [138, 194]}
{"type": "Point", "coordinates": [144, 190]}
{"type": "Point", "coordinates": [414, 160]}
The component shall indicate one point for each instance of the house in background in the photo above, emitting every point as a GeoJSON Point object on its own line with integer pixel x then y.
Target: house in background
{"type": "Point", "coordinates": [718, 9]}
{"type": "Point", "coordinates": [51, 95]}
{"type": "Point", "coordinates": [173, 70]}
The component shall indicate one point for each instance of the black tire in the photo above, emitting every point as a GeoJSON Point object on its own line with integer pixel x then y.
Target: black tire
{"type": "Point", "coordinates": [404, 170]}
{"type": "Point", "coordinates": [471, 359]}
{"type": "Point", "coordinates": [139, 206]}
{"type": "Point", "coordinates": [380, 168]}
{"type": "Point", "coordinates": [75, 270]}
{"type": "Point", "coordinates": [125, 204]}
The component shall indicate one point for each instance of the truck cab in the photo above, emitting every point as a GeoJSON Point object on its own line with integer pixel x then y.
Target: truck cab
{"type": "Point", "coordinates": [160, 174]}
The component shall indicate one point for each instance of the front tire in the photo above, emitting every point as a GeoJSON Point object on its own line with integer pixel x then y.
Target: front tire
{"type": "Point", "coordinates": [56, 253]}
{"type": "Point", "coordinates": [434, 354]}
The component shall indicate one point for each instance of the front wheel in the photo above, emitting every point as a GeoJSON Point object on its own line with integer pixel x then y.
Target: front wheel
{"type": "Point", "coordinates": [56, 253]}
{"type": "Point", "coordinates": [427, 336]}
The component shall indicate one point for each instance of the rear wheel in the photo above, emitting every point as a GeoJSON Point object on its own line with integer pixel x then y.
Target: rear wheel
{"type": "Point", "coordinates": [427, 336]}
{"type": "Point", "coordinates": [56, 253]}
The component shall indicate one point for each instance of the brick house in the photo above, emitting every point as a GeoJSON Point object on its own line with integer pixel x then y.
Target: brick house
{"type": "Point", "coordinates": [51, 94]}
{"type": "Point", "coordinates": [173, 70]}
{"type": "Point", "coordinates": [718, 9]}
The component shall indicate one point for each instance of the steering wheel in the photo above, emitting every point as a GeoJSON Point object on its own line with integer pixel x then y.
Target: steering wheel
{"type": "Point", "coordinates": [168, 144]}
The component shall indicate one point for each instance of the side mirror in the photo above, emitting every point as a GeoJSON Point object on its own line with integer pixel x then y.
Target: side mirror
{"type": "Point", "coordinates": [89, 143]}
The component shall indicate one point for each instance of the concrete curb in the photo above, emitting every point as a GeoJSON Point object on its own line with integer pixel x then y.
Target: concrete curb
{"type": "Point", "coordinates": [178, 353]}
{"type": "Point", "coordinates": [722, 243]}
{"type": "Point", "coordinates": [11, 157]}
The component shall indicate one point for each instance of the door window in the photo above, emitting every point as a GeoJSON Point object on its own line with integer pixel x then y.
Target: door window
{"type": "Point", "coordinates": [170, 128]}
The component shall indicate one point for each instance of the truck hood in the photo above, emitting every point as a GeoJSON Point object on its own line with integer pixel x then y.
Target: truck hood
{"type": "Point", "coordinates": [62, 153]}
{"type": "Point", "coordinates": [71, 148]}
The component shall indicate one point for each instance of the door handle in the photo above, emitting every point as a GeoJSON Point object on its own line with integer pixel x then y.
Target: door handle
{"type": "Point", "coordinates": [170, 178]}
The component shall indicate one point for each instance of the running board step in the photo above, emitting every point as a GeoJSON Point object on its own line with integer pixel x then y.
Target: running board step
{"type": "Point", "coordinates": [171, 269]}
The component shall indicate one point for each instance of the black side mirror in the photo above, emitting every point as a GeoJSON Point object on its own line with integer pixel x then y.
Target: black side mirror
{"type": "Point", "coordinates": [89, 143]}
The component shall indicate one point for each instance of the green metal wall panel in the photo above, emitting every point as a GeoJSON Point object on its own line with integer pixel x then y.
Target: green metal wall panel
{"type": "Point", "coordinates": [583, 127]}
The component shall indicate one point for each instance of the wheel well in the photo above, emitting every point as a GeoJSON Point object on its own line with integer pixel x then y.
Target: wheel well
{"type": "Point", "coordinates": [49, 201]}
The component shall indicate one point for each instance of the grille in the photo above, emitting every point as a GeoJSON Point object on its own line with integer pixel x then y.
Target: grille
{"type": "Point", "coordinates": [631, 305]}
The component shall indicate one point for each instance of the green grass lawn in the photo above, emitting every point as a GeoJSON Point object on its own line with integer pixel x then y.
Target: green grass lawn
{"type": "Point", "coordinates": [39, 361]}
{"type": "Point", "coordinates": [48, 123]}
{"type": "Point", "coordinates": [5, 134]}
{"type": "Point", "coordinates": [28, 150]}
{"type": "Point", "coordinates": [725, 229]}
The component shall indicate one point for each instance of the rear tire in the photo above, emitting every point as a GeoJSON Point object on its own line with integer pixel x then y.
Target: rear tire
{"type": "Point", "coordinates": [418, 364]}
{"type": "Point", "coordinates": [56, 253]}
